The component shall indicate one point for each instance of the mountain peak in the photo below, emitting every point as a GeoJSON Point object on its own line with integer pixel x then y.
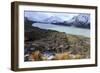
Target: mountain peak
{"type": "Point", "coordinates": [53, 19]}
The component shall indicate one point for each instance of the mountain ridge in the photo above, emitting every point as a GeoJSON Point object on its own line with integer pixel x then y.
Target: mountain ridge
{"type": "Point", "coordinates": [81, 21]}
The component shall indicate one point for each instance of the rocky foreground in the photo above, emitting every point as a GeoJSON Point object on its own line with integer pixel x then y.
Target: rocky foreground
{"type": "Point", "coordinates": [41, 44]}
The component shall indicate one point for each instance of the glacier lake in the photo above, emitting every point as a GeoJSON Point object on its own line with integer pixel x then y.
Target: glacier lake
{"type": "Point", "coordinates": [66, 29]}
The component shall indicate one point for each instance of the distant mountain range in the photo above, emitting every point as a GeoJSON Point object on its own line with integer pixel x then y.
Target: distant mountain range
{"type": "Point", "coordinates": [81, 20]}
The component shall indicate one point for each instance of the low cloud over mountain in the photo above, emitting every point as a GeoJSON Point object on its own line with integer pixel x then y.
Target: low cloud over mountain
{"type": "Point", "coordinates": [67, 19]}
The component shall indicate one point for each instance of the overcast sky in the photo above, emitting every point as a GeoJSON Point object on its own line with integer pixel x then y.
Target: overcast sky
{"type": "Point", "coordinates": [40, 16]}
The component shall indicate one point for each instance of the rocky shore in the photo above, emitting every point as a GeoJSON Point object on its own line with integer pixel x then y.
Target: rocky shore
{"type": "Point", "coordinates": [42, 44]}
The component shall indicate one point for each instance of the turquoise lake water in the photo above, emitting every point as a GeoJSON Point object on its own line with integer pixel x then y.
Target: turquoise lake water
{"type": "Point", "coordinates": [66, 29]}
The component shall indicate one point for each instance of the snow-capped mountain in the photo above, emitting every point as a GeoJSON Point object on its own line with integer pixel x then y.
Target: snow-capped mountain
{"type": "Point", "coordinates": [79, 20]}
{"type": "Point", "coordinates": [53, 19]}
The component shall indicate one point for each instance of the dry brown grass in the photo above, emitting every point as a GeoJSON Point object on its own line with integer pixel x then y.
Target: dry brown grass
{"type": "Point", "coordinates": [66, 56]}
{"type": "Point", "coordinates": [35, 56]}
{"type": "Point", "coordinates": [62, 56]}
